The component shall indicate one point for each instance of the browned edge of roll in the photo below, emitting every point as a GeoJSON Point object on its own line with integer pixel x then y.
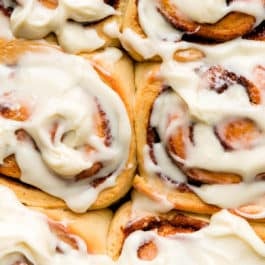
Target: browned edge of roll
{"type": "Point", "coordinates": [120, 77]}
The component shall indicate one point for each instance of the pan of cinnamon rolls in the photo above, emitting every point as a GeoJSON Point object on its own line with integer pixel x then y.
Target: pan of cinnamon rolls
{"type": "Point", "coordinates": [132, 132]}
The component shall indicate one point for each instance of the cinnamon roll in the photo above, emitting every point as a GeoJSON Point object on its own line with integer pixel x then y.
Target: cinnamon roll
{"type": "Point", "coordinates": [31, 236]}
{"type": "Point", "coordinates": [151, 27]}
{"type": "Point", "coordinates": [78, 25]}
{"type": "Point", "coordinates": [167, 238]}
{"type": "Point", "coordinates": [200, 130]}
{"type": "Point", "coordinates": [66, 122]}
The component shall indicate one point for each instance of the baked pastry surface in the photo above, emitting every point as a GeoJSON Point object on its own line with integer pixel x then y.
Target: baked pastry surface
{"type": "Point", "coordinates": [77, 26]}
{"type": "Point", "coordinates": [109, 70]}
{"type": "Point", "coordinates": [205, 116]}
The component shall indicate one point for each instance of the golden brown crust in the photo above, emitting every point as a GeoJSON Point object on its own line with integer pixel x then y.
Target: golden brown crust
{"type": "Point", "coordinates": [49, 3]}
{"type": "Point", "coordinates": [92, 226]}
{"type": "Point", "coordinates": [123, 223]}
{"type": "Point", "coordinates": [182, 200]}
{"type": "Point", "coordinates": [119, 76]}
{"type": "Point", "coordinates": [131, 21]}
{"type": "Point", "coordinates": [121, 79]}
{"type": "Point", "coordinates": [165, 224]}
{"type": "Point", "coordinates": [149, 86]}
{"type": "Point", "coordinates": [31, 196]}
{"type": "Point", "coordinates": [116, 236]}
{"type": "Point", "coordinates": [233, 25]}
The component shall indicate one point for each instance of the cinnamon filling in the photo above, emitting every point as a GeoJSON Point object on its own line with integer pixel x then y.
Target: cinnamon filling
{"type": "Point", "coordinates": [7, 10]}
{"type": "Point", "coordinates": [233, 134]}
{"type": "Point", "coordinates": [257, 33]}
{"type": "Point", "coordinates": [113, 3]}
{"type": "Point", "coordinates": [24, 262]}
{"type": "Point", "coordinates": [188, 55]}
{"type": "Point", "coordinates": [238, 134]}
{"type": "Point", "coordinates": [51, 4]}
{"type": "Point", "coordinates": [147, 251]}
{"type": "Point", "coordinates": [20, 112]}
{"type": "Point", "coordinates": [103, 129]}
{"type": "Point", "coordinates": [164, 226]}
{"type": "Point", "coordinates": [233, 25]}
{"type": "Point", "coordinates": [220, 79]}
{"type": "Point", "coordinates": [63, 234]}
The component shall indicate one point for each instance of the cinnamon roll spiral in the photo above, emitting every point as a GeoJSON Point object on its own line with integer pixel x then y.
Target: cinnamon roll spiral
{"type": "Point", "coordinates": [203, 129]}
{"type": "Point", "coordinates": [150, 28]}
{"type": "Point", "coordinates": [172, 236]}
{"type": "Point", "coordinates": [66, 126]}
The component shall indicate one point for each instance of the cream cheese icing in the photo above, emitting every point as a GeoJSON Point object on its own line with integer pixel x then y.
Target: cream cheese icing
{"type": "Point", "coordinates": [226, 240]}
{"type": "Point", "coordinates": [31, 239]}
{"type": "Point", "coordinates": [5, 30]}
{"type": "Point", "coordinates": [162, 37]}
{"type": "Point", "coordinates": [31, 20]}
{"type": "Point", "coordinates": [193, 101]}
{"type": "Point", "coordinates": [211, 11]}
{"type": "Point", "coordinates": [64, 91]}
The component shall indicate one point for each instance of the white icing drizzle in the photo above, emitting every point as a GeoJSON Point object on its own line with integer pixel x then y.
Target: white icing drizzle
{"type": "Point", "coordinates": [228, 239]}
{"type": "Point", "coordinates": [193, 100]}
{"type": "Point", "coordinates": [162, 39]}
{"type": "Point", "coordinates": [5, 31]}
{"type": "Point", "coordinates": [109, 55]}
{"type": "Point", "coordinates": [211, 11]}
{"type": "Point", "coordinates": [255, 210]}
{"type": "Point", "coordinates": [142, 205]}
{"type": "Point", "coordinates": [154, 24]}
{"type": "Point", "coordinates": [112, 29]}
{"type": "Point", "coordinates": [31, 238]}
{"type": "Point", "coordinates": [64, 90]}
{"type": "Point", "coordinates": [32, 20]}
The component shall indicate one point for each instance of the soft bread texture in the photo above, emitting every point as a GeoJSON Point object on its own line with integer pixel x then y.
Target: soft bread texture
{"type": "Point", "coordinates": [116, 236]}
{"type": "Point", "coordinates": [119, 76]}
{"type": "Point", "coordinates": [233, 25]}
{"type": "Point", "coordinates": [121, 79]}
{"type": "Point", "coordinates": [92, 227]}
{"type": "Point", "coordinates": [149, 85]}
{"type": "Point", "coordinates": [124, 217]}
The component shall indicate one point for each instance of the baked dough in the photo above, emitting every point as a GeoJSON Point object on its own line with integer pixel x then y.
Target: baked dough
{"type": "Point", "coordinates": [102, 24]}
{"type": "Point", "coordinates": [118, 74]}
{"type": "Point", "coordinates": [126, 221]}
{"type": "Point", "coordinates": [152, 181]}
{"type": "Point", "coordinates": [151, 26]}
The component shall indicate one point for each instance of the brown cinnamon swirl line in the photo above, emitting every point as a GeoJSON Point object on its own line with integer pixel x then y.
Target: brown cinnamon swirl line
{"type": "Point", "coordinates": [233, 25]}
{"type": "Point", "coordinates": [230, 27]}
{"type": "Point", "coordinates": [109, 72]}
{"type": "Point", "coordinates": [166, 224]}
{"type": "Point", "coordinates": [233, 134]}
{"type": "Point", "coordinates": [128, 220]}
{"type": "Point", "coordinates": [149, 86]}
